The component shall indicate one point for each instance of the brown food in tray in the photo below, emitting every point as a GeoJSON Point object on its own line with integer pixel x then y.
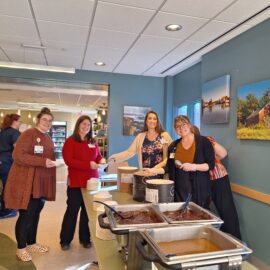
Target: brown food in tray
{"type": "Point", "coordinates": [137, 217]}
{"type": "Point", "coordinates": [179, 215]}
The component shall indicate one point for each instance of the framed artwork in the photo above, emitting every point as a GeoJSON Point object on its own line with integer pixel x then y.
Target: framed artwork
{"type": "Point", "coordinates": [216, 100]}
{"type": "Point", "coordinates": [253, 111]}
{"type": "Point", "coordinates": [133, 119]}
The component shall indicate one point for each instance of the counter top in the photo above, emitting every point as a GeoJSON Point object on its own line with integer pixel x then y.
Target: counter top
{"type": "Point", "coordinates": [106, 250]}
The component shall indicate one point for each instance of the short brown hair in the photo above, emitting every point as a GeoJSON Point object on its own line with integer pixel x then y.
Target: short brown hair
{"type": "Point", "coordinates": [159, 128]}
{"type": "Point", "coordinates": [182, 119]}
{"type": "Point", "coordinates": [9, 119]}
{"type": "Point", "coordinates": [76, 135]}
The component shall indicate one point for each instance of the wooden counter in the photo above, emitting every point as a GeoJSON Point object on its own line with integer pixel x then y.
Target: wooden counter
{"type": "Point", "coordinates": [106, 250]}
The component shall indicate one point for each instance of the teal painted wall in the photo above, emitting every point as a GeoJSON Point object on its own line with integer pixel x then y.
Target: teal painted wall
{"type": "Point", "coordinates": [124, 90]}
{"type": "Point", "coordinates": [247, 59]}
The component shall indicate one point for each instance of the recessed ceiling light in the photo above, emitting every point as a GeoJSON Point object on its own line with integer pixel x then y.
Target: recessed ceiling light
{"type": "Point", "coordinates": [100, 64]}
{"type": "Point", "coordinates": [173, 27]}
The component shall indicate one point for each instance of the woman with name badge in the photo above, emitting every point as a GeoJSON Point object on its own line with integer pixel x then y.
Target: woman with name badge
{"type": "Point", "coordinates": [31, 181]}
{"type": "Point", "coordinates": [82, 156]}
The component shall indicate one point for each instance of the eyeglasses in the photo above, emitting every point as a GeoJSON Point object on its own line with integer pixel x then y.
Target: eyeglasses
{"type": "Point", "coordinates": [46, 120]}
{"type": "Point", "coordinates": [180, 126]}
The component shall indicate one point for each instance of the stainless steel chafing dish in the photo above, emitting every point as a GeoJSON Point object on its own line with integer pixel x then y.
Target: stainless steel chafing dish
{"type": "Point", "coordinates": [126, 232]}
{"type": "Point", "coordinates": [163, 207]}
{"type": "Point", "coordinates": [229, 255]}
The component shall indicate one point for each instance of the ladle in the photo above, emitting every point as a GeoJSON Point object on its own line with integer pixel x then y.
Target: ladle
{"type": "Point", "coordinates": [128, 215]}
{"type": "Point", "coordinates": [185, 207]}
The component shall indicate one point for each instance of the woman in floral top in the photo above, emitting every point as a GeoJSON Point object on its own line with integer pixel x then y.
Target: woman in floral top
{"type": "Point", "coordinates": [150, 145]}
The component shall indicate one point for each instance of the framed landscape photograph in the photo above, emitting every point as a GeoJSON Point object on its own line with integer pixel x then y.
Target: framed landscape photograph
{"type": "Point", "coordinates": [253, 111]}
{"type": "Point", "coordinates": [133, 119]}
{"type": "Point", "coordinates": [216, 100]}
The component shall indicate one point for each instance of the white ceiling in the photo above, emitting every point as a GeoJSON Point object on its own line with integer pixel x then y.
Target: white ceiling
{"type": "Point", "coordinates": [128, 35]}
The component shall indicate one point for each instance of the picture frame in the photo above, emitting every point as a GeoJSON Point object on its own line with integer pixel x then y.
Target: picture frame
{"type": "Point", "coordinates": [216, 101]}
{"type": "Point", "coordinates": [133, 119]}
{"type": "Point", "coordinates": [253, 111]}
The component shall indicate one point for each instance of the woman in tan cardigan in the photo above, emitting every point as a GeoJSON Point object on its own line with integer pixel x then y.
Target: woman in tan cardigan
{"type": "Point", "coordinates": [151, 145]}
{"type": "Point", "coordinates": [31, 181]}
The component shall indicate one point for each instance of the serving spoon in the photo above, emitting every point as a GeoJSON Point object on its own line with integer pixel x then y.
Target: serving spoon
{"type": "Point", "coordinates": [126, 215]}
{"type": "Point", "coordinates": [185, 207]}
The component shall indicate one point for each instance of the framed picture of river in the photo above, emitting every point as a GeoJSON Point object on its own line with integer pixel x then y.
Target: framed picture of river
{"type": "Point", "coordinates": [216, 100]}
{"type": "Point", "coordinates": [133, 119]}
{"type": "Point", "coordinates": [253, 111]}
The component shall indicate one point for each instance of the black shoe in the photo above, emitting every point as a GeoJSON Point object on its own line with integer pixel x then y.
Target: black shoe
{"type": "Point", "coordinates": [65, 246]}
{"type": "Point", "coordinates": [86, 245]}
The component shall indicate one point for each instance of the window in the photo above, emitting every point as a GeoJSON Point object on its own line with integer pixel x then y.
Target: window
{"type": "Point", "coordinates": [193, 111]}
{"type": "Point", "coordinates": [182, 110]}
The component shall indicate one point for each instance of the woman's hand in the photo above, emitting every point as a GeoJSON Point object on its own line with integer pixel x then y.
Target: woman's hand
{"type": "Point", "coordinates": [93, 165]}
{"type": "Point", "coordinates": [188, 167]}
{"type": "Point", "coordinates": [50, 163]}
{"type": "Point", "coordinates": [154, 171]}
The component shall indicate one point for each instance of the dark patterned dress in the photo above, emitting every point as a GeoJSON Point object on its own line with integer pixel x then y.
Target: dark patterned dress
{"type": "Point", "coordinates": [152, 152]}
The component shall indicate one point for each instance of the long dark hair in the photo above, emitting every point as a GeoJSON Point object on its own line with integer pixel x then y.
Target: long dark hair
{"type": "Point", "coordinates": [9, 119]}
{"type": "Point", "coordinates": [159, 128]}
{"type": "Point", "coordinates": [76, 135]}
{"type": "Point", "coordinates": [42, 112]}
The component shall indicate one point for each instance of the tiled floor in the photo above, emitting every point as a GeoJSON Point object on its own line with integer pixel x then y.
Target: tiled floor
{"type": "Point", "coordinates": [48, 233]}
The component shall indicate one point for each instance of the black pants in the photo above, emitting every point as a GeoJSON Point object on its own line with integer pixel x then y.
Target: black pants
{"type": "Point", "coordinates": [4, 170]}
{"type": "Point", "coordinates": [74, 203]}
{"type": "Point", "coordinates": [223, 200]}
{"type": "Point", "coordinates": [27, 223]}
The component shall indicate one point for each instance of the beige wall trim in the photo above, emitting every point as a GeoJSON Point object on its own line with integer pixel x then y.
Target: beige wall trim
{"type": "Point", "coordinates": [251, 193]}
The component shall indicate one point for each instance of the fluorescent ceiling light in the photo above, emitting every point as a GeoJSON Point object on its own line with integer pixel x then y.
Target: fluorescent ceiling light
{"type": "Point", "coordinates": [36, 67]}
{"type": "Point", "coordinates": [35, 103]}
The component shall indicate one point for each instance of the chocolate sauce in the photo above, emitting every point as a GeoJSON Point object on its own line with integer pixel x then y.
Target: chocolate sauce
{"type": "Point", "coordinates": [179, 215]}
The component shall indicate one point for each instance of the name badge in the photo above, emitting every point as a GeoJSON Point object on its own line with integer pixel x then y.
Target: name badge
{"type": "Point", "coordinates": [38, 149]}
{"type": "Point", "coordinates": [90, 145]}
{"type": "Point", "coordinates": [172, 155]}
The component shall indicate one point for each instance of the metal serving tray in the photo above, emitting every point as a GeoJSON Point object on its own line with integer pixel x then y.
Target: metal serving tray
{"type": "Point", "coordinates": [163, 207]}
{"type": "Point", "coordinates": [115, 226]}
{"type": "Point", "coordinates": [229, 246]}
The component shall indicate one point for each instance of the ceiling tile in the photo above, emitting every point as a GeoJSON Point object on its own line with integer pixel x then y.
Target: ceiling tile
{"type": "Point", "coordinates": [121, 18]}
{"type": "Point", "coordinates": [17, 41]}
{"type": "Point", "coordinates": [64, 11]}
{"type": "Point", "coordinates": [110, 57]}
{"type": "Point", "coordinates": [29, 56]}
{"type": "Point", "coordinates": [149, 4]}
{"type": "Point", "coordinates": [63, 32]}
{"type": "Point", "coordinates": [196, 8]}
{"type": "Point", "coordinates": [111, 39]}
{"type": "Point", "coordinates": [64, 60]}
{"type": "Point", "coordinates": [144, 45]}
{"type": "Point", "coordinates": [137, 63]}
{"type": "Point", "coordinates": [19, 8]}
{"type": "Point", "coordinates": [182, 51]}
{"type": "Point", "coordinates": [3, 56]}
{"type": "Point", "coordinates": [53, 46]}
{"type": "Point", "coordinates": [14, 26]}
{"type": "Point", "coordinates": [211, 31]}
{"type": "Point", "coordinates": [241, 10]}
{"type": "Point", "coordinates": [189, 25]}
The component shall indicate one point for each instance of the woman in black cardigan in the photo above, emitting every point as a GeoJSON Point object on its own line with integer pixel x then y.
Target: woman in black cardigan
{"type": "Point", "coordinates": [189, 160]}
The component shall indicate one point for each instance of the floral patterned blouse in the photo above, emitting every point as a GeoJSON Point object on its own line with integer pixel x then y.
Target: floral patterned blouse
{"type": "Point", "coordinates": [152, 152]}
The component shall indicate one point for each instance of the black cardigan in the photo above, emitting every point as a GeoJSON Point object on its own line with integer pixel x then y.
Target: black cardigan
{"type": "Point", "coordinates": [204, 153]}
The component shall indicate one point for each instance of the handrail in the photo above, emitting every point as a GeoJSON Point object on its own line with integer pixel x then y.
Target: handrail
{"type": "Point", "coordinates": [251, 193]}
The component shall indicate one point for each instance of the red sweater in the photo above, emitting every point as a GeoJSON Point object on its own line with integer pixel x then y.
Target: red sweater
{"type": "Point", "coordinates": [77, 156]}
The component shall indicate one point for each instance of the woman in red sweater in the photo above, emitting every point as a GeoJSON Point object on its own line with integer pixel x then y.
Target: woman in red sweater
{"type": "Point", "coordinates": [82, 155]}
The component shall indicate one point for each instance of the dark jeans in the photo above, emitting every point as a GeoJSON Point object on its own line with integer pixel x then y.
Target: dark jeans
{"type": "Point", "coordinates": [223, 200]}
{"type": "Point", "coordinates": [74, 204]}
{"type": "Point", "coordinates": [27, 223]}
